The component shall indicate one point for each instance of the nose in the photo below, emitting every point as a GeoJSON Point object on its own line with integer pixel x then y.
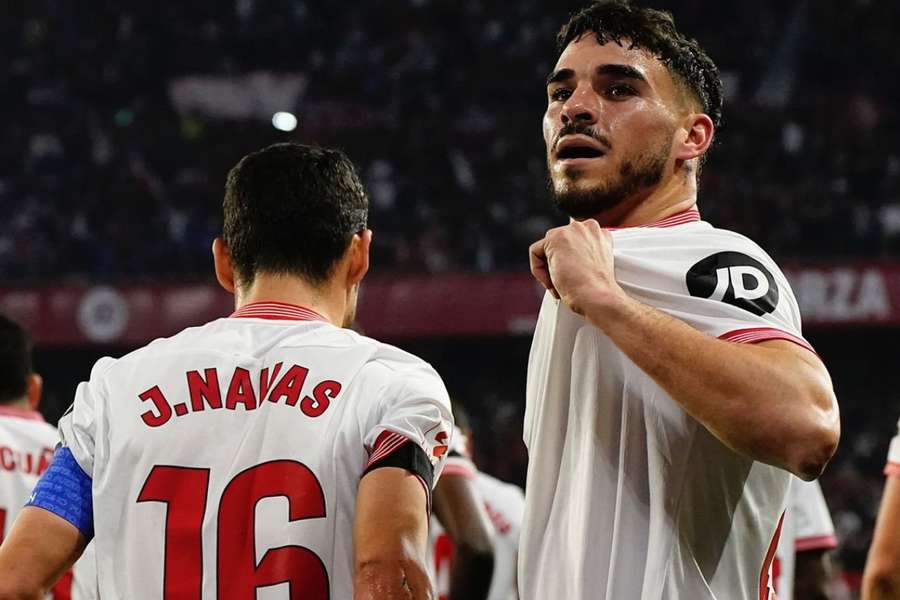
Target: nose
{"type": "Point", "coordinates": [583, 105]}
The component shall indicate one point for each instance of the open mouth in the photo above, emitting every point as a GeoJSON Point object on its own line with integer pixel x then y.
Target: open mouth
{"type": "Point", "coordinates": [577, 151]}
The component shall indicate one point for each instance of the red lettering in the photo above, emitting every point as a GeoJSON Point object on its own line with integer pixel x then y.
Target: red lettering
{"type": "Point", "coordinates": [323, 394]}
{"type": "Point", "coordinates": [290, 385]}
{"type": "Point", "coordinates": [29, 462]}
{"type": "Point", "coordinates": [7, 459]}
{"type": "Point", "coordinates": [265, 381]}
{"type": "Point", "coordinates": [164, 411]}
{"type": "Point", "coordinates": [204, 388]}
{"type": "Point", "coordinates": [240, 390]}
{"type": "Point", "coordinates": [46, 459]}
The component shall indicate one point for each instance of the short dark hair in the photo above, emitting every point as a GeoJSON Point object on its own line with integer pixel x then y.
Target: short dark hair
{"type": "Point", "coordinates": [15, 361]}
{"type": "Point", "coordinates": [292, 209]}
{"type": "Point", "coordinates": [653, 31]}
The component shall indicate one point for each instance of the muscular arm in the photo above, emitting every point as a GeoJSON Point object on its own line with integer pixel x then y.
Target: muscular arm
{"type": "Point", "coordinates": [39, 549]}
{"type": "Point", "coordinates": [881, 580]}
{"type": "Point", "coordinates": [459, 508]}
{"type": "Point", "coordinates": [772, 402]}
{"type": "Point", "coordinates": [390, 535]}
{"type": "Point", "coordinates": [812, 574]}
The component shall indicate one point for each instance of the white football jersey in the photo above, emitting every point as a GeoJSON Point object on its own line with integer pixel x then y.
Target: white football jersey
{"type": "Point", "coordinates": [26, 450]}
{"type": "Point", "coordinates": [505, 504]}
{"type": "Point", "coordinates": [892, 469]}
{"type": "Point", "coordinates": [225, 460]}
{"type": "Point", "coordinates": [807, 526]}
{"type": "Point", "coordinates": [628, 496]}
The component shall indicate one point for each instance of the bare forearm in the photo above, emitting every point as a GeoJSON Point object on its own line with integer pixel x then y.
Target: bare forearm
{"type": "Point", "coordinates": [396, 580]}
{"type": "Point", "coordinates": [472, 573]}
{"type": "Point", "coordinates": [881, 580]}
{"type": "Point", "coordinates": [760, 400]}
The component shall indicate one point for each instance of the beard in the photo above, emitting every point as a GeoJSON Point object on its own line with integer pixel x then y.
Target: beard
{"type": "Point", "coordinates": [635, 175]}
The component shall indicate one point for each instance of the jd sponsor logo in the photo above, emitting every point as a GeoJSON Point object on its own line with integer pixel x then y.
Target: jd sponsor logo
{"type": "Point", "coordinates": [735, 279]}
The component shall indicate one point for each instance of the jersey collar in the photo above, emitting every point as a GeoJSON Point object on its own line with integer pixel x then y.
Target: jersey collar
{"type": "Point", "coordinates": [276, 311]}
{"type": "Point", "coordinates": [691, 215]}
{"type": "Point", "coordinates": [20, 413]}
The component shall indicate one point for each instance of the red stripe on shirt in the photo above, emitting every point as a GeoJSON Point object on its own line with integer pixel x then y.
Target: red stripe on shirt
{"type": "Point", "coordinates": [20, 413]}
{"type": "Point", "coordinates": [765, 590]}
{"type": "Point", "coordinates": [754, 335]}
{"type": "Point", "coordinates": [276, 311]}
{"type": "Point", "coordinates": [815, 542]}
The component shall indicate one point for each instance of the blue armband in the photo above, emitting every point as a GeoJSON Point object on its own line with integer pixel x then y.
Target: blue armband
{"type": "Point", "coordinates": [65, 490]}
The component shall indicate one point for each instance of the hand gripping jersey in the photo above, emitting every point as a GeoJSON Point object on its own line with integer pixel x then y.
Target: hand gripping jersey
{"type": "Point", "coordinates": [892, 469]}
{"type": "Point", "coordinates": [807, 526]}
{"type": "Point", "coordinates": [224, 461]}
{"type": "Point", "coordinates": [26, 450]}
{"type": "Point", "coordinates": [628, 496]}
{"type": "Point", "coordinates": [504, 503]}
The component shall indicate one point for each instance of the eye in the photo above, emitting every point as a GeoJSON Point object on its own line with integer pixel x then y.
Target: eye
{"type": "Point", "coordinates": [560, 94]}
{"type": "Point", "coordinates": [620, 91]}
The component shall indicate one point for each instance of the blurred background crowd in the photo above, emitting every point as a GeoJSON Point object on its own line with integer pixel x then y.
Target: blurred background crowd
{"type": "Point", "coordinates": [121, 120]}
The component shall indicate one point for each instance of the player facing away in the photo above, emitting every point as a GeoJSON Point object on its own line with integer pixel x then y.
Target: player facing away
{"type": "Point", "coordinates": [26, 448]}
{"type": "Point", "coordinates": [670, 393]}
{"type": "Point", "coordinates": [271, 452]}
{"type": "Point", "coordinates": [881, 579]}
{"type": "Point", "coordinates": [503, 504]}
{"type": "Point", "coordinates": [803, 567]}
{"type": "Point", "coordinates": [461, 536]}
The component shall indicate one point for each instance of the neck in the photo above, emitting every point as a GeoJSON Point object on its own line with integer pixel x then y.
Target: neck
{"type": "Point", "coordinates": [288, 289]}
{"type": "Point", "coordinates": [677, 194]}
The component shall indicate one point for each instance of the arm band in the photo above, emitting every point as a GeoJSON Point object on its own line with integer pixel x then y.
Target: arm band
{"type": "Point", "coordinates": [65, 490]}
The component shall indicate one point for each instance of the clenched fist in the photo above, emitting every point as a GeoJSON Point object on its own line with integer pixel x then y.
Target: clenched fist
{"type": "Point", "coordinates": [575, 263]}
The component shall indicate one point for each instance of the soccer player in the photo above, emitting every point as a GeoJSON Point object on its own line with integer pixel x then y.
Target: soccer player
{"type": "Point", "coordinates": [881, 579]}
{"type": "Point", "coordinates": [803, 567]}
{"type": "Point", "coordinates": [271, 450]}
{"type": "Point", "coordinates": [461, 535]}
{"type": "Point", "coordinates": [670, 393]}
{"type": "Point", "coordinates": [26, 445]}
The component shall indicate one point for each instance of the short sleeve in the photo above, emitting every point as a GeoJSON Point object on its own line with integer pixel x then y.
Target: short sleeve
{"type": "Point", "coordinates": [459, 460]}
{"type": "Point", "coordinates": [717, 281]}
{"type": "Point", "coordinates": [78, 426]}
{"type": "Point", "coordinates": [813, 526]}
{"type": "Point", "coordinates": [413, 425]}
{"type": "Point", "coordinates": [892, 469]}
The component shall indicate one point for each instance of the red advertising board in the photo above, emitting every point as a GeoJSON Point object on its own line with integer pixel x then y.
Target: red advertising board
{"type": "Point", "coordinates": [402, 306]}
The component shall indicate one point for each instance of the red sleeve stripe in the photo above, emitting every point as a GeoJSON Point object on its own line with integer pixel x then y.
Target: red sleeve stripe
{"type": "Point", "coordinates": [385, 445]}
{"type": "Point", "coordinates": [816, 542]}
{"type": "Point", "coordinates": [754, 335]}
{"type": "Point", "coordinates": [892, 469]}
{"type": "Point", "coordinates": [457, 469]}
{"type": "Point", "coordinates": [765, 575]}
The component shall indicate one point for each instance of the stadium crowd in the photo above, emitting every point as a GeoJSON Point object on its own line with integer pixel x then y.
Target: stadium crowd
{"type": "Point", "coordinates": [110, 171]}
{"type": "Point", "coordinates": [112, 168]}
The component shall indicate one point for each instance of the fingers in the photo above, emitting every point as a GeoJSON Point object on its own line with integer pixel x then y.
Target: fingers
{"type": "Point", "coordinates": [540, 268]}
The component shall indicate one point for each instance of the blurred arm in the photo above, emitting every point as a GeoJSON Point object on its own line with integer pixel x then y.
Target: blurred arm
{"type": "Point", "coordinates": [40, 548]}
{"type": "Point", "coordinates": [390, 535]}
{"type": "Point", "coordinates": [881, 580]}
{"type": "Point", "coordinates": [460, 509]}
{"type": "Point", "coordinates": [812, 574]}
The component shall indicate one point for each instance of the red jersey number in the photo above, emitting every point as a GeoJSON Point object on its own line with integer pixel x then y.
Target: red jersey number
{"type": "Point", "coordinates": [184, 491]}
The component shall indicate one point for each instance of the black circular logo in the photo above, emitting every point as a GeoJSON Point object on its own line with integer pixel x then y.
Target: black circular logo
{"type": "Point", "coordinates": [735, 279]}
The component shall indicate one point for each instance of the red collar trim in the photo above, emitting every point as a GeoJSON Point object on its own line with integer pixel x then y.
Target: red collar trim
{"type": "Point", "coordinates": [20, 413]}
{"type": "Point", "coordinates": [276, 311]}
{"type": "Point", "coordinates": [691, 215]}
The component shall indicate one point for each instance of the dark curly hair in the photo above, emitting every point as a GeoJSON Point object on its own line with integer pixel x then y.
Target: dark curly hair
{"type": "Point", "coordinates": [653, 31]}
{"type": "Point", "coordinates": [15, 361]}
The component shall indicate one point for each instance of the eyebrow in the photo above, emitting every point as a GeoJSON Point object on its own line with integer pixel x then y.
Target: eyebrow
{"type": "Point", "coordinates": [610, 70]}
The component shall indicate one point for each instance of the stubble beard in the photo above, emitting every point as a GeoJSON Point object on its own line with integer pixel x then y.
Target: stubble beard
{"type": "Point", "coordinates": [636, 174]}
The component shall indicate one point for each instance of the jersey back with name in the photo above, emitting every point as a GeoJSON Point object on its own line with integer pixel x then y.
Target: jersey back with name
{"type": "Point", "coordinates": [628, 496]}
{"type": "Point", "coordinates": [26, 450]}
{"type": "Point", "coordinates": [225, 460]}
